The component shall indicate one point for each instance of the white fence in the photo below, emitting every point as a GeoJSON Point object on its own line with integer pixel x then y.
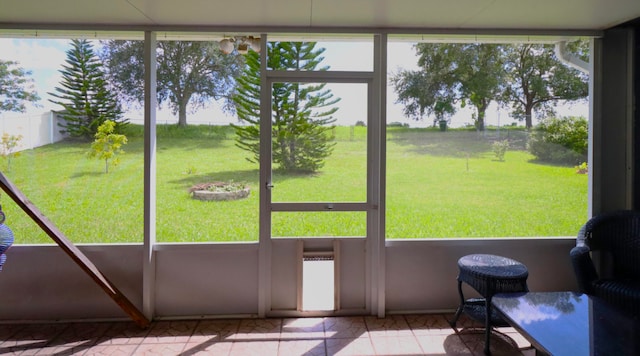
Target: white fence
{"type": "Point", "coordinates": [36, 130]}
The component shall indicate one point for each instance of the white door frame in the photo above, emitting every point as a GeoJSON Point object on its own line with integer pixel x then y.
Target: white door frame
{"type": "Point", "coordinates": [375, 176]}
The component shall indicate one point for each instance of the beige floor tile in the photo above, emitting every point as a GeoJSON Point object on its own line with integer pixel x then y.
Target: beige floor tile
{"type": "Point", "coordinates": [427, 334]}
{"type": "Point", "coordinates": [110, 350]}
{"type": "Point", "coordinates": [214, 330]}
{"type": "Point", "coordinates": [170, 332]}
{"type": "Point", "coordinates": [361, 346]}
{"type": "Point", "coordinates": [392, 325]}
{"type": "Point", "coordinates": [433, 344]}
{"type": "Point", "coordinates": [464, 321]}
{"type": "Point", "coordinates": [252, 329]}
{"type": "Point", "coordinates": [345, 327]}
{"type": "Point", "coordinates": [31, 351]}
{"type": "Point", "coordinates": [529, 352]}
{"type": "Point", "coordinates": [8, 352]}
{"type": "Point", "coordinates": [60, 350]}
{"type": "Point", "coordinates": [520, 340]}
{"type": "Point", "coordinates": [37, 335]}
{"type": "Point", "coordinates": [302, 328]}
{"type": "Point", "coordinates": [208, 348]}
{"type": "Point", "coordinates": [500, 344]}
{"type": "Point", "coordinates": [23, 349]}
{"type": "Point", "coordinates": [123, 333]}
{"type": "Point", "coordinates": [159, 349]}
{"type": "Point", "coordinates": [6, 331]}
{"type": "Point", "coordinates": [257, 348]}
{"type": "Point", "coordinates": [302, 347]}
{"type": "Point", "coordinates": [81, 334]}
{"type": "Point", "coordinates": [428, 324]}
{"type": "Point", "coordinates": [396, 345]}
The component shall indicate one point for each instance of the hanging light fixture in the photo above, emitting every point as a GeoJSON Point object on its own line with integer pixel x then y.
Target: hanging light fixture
{"type": "Point", "coordinates": [243, 47]}
{"type": "Point", "coordinates": [242, 44]}
{"type": "Point", "coordinates": [255, 43]}
{"type": "Point", "coordinates": [226, 45]}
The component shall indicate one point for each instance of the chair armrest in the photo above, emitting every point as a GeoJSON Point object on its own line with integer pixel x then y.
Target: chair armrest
{"type": "Point", "coordinates": [583, 268]}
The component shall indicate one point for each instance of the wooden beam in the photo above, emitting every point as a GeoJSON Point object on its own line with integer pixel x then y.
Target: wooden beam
{"type": "Point", "coordinates": [72, 251]}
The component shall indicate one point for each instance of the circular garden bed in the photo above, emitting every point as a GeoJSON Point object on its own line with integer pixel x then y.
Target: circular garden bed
{"type": "Point", "coordinates": [219, 191]}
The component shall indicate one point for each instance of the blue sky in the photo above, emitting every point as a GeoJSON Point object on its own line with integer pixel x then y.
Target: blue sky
{"type": "Point", "coordinates": [44, 58]}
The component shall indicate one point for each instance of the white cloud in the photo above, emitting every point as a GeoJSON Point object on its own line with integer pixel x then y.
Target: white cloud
{"type": "Point", "coordinates": [34, 54]}
{"type": "Point", "coordinates": [43, 58]}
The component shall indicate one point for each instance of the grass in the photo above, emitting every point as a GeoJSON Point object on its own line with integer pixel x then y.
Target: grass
{"type": "Point", "coordinates": [439, 185]}
{"type": "Point", "coordinates": [462, 190]}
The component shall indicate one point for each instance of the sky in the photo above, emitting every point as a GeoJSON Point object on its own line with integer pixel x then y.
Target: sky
{"type": "Point", "coordinates": [45, 57]}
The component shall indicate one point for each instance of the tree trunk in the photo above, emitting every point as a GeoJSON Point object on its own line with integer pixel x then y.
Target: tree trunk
{"type": "Point", "coordinates": [182, 115]}
{"type": "Point", "coordinates": [480, 121]}
{"type": "Point", "coordinates": [482, 110]}
{"type": "Point", "coordinates": [528, 110]}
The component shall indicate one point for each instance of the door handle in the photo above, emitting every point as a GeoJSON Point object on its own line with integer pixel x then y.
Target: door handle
{"type": "Point", "coordinates": [269, 186]}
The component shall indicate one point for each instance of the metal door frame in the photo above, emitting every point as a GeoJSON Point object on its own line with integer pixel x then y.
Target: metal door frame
{"type": "Point", "coordinates": [375, 178]}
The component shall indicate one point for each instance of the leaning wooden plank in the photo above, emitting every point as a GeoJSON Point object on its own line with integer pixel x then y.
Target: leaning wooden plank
{"type": "Point", "coordinates": [72, 251]}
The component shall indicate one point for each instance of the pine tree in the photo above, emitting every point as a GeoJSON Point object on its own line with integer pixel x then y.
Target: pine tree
{"type": "Point", "coordinates": [84, 94]}
{"type": "Point", "coordinates": [301, 113]}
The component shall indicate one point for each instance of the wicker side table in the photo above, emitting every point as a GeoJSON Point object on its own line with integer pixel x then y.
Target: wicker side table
{"type": "Point", "coordinates": [488, 275]}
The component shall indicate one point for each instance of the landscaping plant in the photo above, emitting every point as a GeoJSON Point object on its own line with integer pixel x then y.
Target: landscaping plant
{"type": "Point", "coordinates": [8, 147]}
{"type": "Point", "coordinates": [107, 145]}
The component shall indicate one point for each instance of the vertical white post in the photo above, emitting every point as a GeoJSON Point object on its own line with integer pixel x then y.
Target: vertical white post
{"type": "Point", "coordinates": [380, 72]}
{"type": "Point", "coordinates": [148, 267]}
{"type": "Point", "coordinates": [264, 250]}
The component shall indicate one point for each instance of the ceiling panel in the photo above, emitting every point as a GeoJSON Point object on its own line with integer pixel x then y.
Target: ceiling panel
{"type": "Point", "coordinates": [279, 14]}
{"type": "Point", "coordinates": [554, 14]}
{"type": "Point", "coordinates": [396, 14]}
{"type": "Point", "coordinates": [227, 13]}
{"type": "Point", "coordinates": [71, 11]}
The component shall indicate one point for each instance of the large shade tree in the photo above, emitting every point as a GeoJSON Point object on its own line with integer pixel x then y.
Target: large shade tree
{"type": "Point", "coordinates": [302, 120]}
{"type": "Point", "coordinates": [16, 87]}
{"type": "Point", "coordinates": [421, 95]}
{"type": "Point", "coordinates": [189, 73]}
{"type": "Point", "coordinates": [451, 73]}
{"type": "Point", "coordinates": [84, 94]}
{"type": "Point", "coordinates": [537, 80]}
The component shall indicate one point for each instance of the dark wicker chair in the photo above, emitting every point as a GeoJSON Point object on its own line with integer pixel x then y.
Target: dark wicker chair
{"type": "Point", "coordinates": [616, 237]}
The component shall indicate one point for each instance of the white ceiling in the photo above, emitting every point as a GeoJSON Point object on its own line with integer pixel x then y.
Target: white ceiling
{"type": "Point", "coordinates": [301, 15]}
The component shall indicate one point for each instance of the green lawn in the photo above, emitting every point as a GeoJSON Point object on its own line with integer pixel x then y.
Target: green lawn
{"type": "Point", "coordinates": [439, 184]}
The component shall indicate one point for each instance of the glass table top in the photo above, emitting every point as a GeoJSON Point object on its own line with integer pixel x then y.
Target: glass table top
{"type": "Point", "coordinates": [568, 323]}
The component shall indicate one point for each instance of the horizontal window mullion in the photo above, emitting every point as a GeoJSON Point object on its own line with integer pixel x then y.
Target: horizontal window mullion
{"type": "Point", "coordinates": [320, 206]}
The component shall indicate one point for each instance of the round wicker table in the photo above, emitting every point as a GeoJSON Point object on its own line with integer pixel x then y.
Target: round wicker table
{"type": "Point", "coordinates": [488, 275]}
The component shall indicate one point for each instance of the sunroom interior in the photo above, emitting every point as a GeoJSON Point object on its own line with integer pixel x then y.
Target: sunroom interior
{"type": "Point", "coordinates": [371, 273]}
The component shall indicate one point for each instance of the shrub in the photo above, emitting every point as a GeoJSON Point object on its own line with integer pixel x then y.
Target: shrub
{"type": "Point", "coordinates": [107, 145]}
{"type": "Point", "coordinates": [8, 147]}
{"type": "Point", "coordinates": [500, 148]}
{"type": "Point", "coordinates": [560, 140]}
{"type": "Point", "coordinates": [582, 168]}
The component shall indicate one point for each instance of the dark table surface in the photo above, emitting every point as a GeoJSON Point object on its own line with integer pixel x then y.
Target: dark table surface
{"type": "Point", "coordinates": [568, 323]}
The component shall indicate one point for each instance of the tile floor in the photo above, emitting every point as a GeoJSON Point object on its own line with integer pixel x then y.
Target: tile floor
{"type": "Point", "coordinates": [362, 335]}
